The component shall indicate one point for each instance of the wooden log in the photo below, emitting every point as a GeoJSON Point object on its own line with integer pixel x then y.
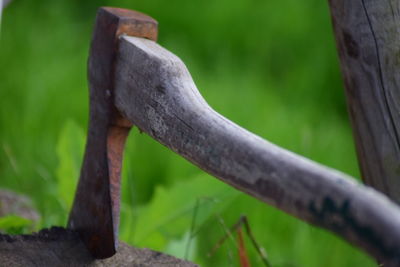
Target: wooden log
{"type": "Point", "coordinates": [155, 91]}
{"type": "Point", "coordinates": [61, 247]}
{"type": "Point", "coordinates": [368, 39]}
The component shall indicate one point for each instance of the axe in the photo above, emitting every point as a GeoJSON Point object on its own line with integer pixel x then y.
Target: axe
{"type": "Point", "coordinates": [134, 81]}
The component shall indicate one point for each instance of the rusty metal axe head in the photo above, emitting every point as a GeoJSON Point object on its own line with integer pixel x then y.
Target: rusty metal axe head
{"type": "Point", "coordinates": [95, 211]}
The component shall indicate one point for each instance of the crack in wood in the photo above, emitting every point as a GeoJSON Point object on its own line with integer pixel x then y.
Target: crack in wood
{"type": "Point", "coordinates": [381, 79]}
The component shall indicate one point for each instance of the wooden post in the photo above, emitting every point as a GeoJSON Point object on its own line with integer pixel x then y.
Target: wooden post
{"type": "Point", "coordinates": [368, 40]}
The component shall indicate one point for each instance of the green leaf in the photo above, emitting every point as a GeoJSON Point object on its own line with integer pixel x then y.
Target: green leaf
{"type": "Point", "coordinates": [184, 248]}
{"type": "Point", "coordinates": [70, 148]}
{"type": "Point", "coordinates": [13, 224]}
{"type": "Point", "coordinates": [184, 207]}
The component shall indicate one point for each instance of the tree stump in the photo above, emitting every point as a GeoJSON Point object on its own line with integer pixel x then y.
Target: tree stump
{"type": "Point", "coordinates": [62, 247]}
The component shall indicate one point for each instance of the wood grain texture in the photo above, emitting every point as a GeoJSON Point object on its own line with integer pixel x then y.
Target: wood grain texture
{"type": "Point", "coordinates": [61, 247]}
{"type": "Point", "coordinates": [368, 39]}
{"type": "Point", "coordinates": [155, 91]}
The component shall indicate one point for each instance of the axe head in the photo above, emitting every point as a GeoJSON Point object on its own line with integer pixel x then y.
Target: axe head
{"type": "Point", "coordinates": [95, 211]}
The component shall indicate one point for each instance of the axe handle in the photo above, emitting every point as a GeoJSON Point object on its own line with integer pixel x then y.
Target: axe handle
{"type": "Point", "coordinates": [154, 90]}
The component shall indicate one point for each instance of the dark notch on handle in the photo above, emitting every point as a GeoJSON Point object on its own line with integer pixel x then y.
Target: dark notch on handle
{"type": "Point", "coordinates": [95, 211]}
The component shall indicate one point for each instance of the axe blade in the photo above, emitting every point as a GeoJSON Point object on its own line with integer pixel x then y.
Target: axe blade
{"type": "Point", "coordinates": [95, 211]}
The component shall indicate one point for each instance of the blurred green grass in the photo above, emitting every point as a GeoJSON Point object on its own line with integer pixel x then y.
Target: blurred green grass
{"type": "Point", "coordinates": [269, 66]}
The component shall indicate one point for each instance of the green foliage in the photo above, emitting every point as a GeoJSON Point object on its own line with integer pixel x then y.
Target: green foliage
{"type": "Point", "coordinates": [286, 240]}
{"type": "Point", "coordinates": [169, 214]}
{"type": "Point", "coordinates": [270, 66]}
{"type": "Point", "coordinates": [184, 247]}
{"type": "Point", "coordinates": [70, 148]}
{"type": "Point", "coordinates": [13, 224]}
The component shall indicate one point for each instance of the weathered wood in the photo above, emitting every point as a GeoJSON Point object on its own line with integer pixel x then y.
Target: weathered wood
{"type": "Point", "coordinates": [60, 247]}
{"type": "Point", "coordinates": [155, 91]}
{"type": "Point", "coordinates": [368, 40]}
{"type": "Point", "coordinates": [95, 210]}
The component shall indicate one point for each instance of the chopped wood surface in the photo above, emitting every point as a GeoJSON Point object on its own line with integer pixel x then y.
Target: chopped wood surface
{"type": "Point", "coordinates": [60, 247]}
